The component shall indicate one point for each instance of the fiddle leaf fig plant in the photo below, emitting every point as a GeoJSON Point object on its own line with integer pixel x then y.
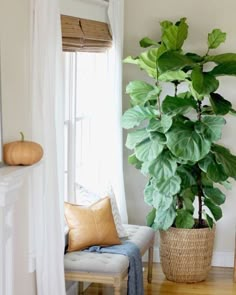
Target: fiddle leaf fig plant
{"type": "Point", "coordinates": [174, 132]}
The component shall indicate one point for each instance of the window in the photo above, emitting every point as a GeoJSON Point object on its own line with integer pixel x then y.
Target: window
{"type": "Point", "coordinates": [86, 119]}
{"type": "Point", "coordinates": [93, 133]}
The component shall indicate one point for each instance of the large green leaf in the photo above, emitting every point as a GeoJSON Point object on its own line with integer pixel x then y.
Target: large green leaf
{"type": "Point", "coordinates": [158, 136]}
{"type": "Point", "coordinates": [176, 105]}
{"type": "Point", "coordinates": [204, 83]}
{"type": "Point", "coordinates": [149, 193]}
{"type": "Point", "coordinates": [184, 142]}
{"type": "Point", "coordinates": [170, 186]}
{"type": "Point", "coordinates": [173, 76]}
{"type": "Point", "coordinates": [163, 167]}
{"type": "Point", "coordinates": [149, 149]}
{"type": "Point", "coordinates": [188, 204]}
{"type": "Point", "coordinates": [136, 137]}
{"type": "Point", "coordinates": [145, 168]}
{"type": "Point", "coordinates": [131, 60]}
{"type": "Point", "coordinates": [210, 127]}
{"type": "Point", "coordinates": [134, 116]}
{"type": "Point", "coordinates": [214, 194]}
{"type": "Point", "coordinates": [140, 92]}
{"type": "Point", "coordinates": [184, 219]}
{"type": "Point", "coordinates": [148, 62]}
{"type": "Point", "coordinates": [146, 42]}
{"type": "Point", "coordinates": [215, 209]}
{"type": "Point", "coordinates": [162, 202]}
{"type": "Point", "coordinates": [160, 125]}
{"type": "Point", "coordinates": [195, 57]}
{"type": "Point", "coordinates": [172, 61]}
{"type": "Point", "coordinates": [194, 93]}
{"type": "Point", "coordinates": [187, 176]}
{"type": "Point", "coordinates": [227, 185]}
{"type": "Point", "coordinates": [226, 159]}
{"type": "Point", "coordinates": [215, 38]}
{"type": "Point", "coordinates": [220, 106]}
{"type": "Point", "coordinates": [165, 25]}
{"type": "Point", "coordinates": [227, 68]}
{"type": "Point", "coordinates": [175, 35]}
{"type": "Point", "coordinates": [188, 194]}
{"type": "Point", "coordinates": [151, 217]}
{"type": "Point", "coordinates": [214, 171]}
{"type": "Point", "coordinates": [206, 181]}
{"type": "Point", "coordinates": [132, 159]}
{"type": "Point", "coordinates": [221, 58]}
{"type": "Point", "coordinates": [209, 220]}
{"type": "Point", "coordinates": [164, 218]}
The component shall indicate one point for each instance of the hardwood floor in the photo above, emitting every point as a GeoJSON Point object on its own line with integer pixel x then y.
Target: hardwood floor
{"type": "Point", "coordinates": [219, 282]}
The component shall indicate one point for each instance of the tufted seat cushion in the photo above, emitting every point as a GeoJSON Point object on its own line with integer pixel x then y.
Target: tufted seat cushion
{"type": "Point", "coordinates": [140, 236]}
{"type": "Point", "coordinates": [109, 263]}
{"type": "Point", "coordinates": [95, 262]}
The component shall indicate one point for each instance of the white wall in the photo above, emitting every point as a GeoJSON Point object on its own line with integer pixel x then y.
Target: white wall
{"type": "Point", "coordinates": [85, 9]}
{"type": "Point", "coordinates": [142, 19]}
{"type": "Point", "coordinates": [16, 103]}
{"type": "Point", "coordinates": [16, 106]}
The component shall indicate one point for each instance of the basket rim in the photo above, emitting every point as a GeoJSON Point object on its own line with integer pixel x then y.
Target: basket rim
{"type": "Point", "coordinates": [189, 229]}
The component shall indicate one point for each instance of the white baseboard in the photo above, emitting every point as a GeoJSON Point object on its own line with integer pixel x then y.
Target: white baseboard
{"type": "Point", "coordinates": [225, 259]}
{"type": "Point", "coordinates": [221, 259]}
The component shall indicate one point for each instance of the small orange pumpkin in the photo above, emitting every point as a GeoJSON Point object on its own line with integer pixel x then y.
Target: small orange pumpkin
{"type": "Point", "coordinates": [22, 152]}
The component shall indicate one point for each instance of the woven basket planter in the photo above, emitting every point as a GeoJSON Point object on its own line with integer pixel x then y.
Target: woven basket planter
{"type": "Point", "coordinates": [186, 253]}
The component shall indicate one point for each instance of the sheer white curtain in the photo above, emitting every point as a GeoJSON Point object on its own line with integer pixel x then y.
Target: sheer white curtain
{"type": "Point", "coordinates": [47, 129]}
{"type": "Point", "coordinates": [116, 19]}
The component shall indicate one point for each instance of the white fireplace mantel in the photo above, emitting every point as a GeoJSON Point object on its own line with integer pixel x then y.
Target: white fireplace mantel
{"type": "Point", "coordinates": [11, 180]}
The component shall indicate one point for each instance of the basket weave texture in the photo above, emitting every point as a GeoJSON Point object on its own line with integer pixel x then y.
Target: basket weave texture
{"type": "Point", "coordinates": [186, 253]}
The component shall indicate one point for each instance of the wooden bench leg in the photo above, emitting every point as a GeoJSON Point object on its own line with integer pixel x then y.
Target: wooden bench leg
{"type": "Point", "coordinates": [80, 288]}
{"type": "Point", "coordinates": [150, 263]}
{"type": "Point", "coordinates": [117, 286]}
{"type": "Point", "coordinates": [117, 290]}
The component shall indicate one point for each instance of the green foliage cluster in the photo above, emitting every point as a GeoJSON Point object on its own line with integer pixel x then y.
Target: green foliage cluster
{"type": "Point", "coordinates": [174, 137]}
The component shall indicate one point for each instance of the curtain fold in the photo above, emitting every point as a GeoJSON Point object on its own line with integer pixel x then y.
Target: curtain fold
{"type": "Point", "coordinates": [47, 129]}
{"type": "Point", "coordinates": [116, 19]}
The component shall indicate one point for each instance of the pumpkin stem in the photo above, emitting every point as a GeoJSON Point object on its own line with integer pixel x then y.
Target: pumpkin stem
{"type": "Point", "coordinates": [22, 136]}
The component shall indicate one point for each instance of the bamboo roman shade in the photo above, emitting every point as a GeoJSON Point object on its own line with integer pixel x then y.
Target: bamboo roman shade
{"type": "Point", "coordinates": [84, 35]}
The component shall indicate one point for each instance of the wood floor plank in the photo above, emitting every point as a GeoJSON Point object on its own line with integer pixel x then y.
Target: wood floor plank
{"type": "Point", "coordinates": [219, 282]}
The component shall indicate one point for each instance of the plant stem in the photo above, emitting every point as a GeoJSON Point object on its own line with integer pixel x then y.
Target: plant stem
{"type": "Point", "coordinates": [179, 202]}
{"type": "Point", "coordinates": [199, 177]}
{"type": "Point", "coordinates": [176, 83]}
{"type": "Point", "coordinates": [159, 101]}
{"type": "Point", "coordinates": [199, 110]}
{"type": "Point", "coordinates": [200, 195]}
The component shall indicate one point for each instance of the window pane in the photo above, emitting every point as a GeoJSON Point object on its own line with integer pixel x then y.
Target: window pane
{"type": "Point", "coordinates": [91, 82]}
{"type": "Point", "coordinates": [84, 156]}
{"type": "Point", "coordinates": [86, 118]}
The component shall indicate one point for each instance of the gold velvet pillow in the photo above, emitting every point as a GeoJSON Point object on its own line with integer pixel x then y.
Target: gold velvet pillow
{"type": "Point", "coordinates": [89, 226]}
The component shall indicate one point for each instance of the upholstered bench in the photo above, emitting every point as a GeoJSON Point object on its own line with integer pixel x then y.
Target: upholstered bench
{"type": "Point", "coordinates": [109, 268]}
